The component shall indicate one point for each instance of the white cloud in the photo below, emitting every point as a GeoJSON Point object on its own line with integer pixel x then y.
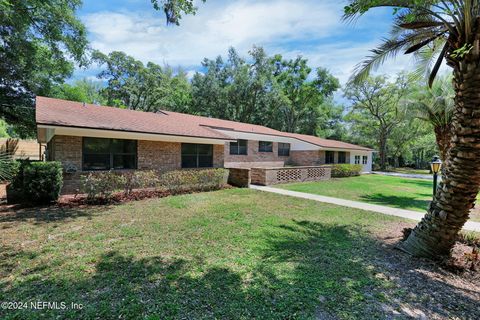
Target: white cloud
{"type": "Point", "coordinates": [309, 28]}
{"type": "Point", "coordinates": [210, 32]}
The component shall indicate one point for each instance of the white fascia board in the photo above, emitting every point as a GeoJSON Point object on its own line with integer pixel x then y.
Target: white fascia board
{"type": "Point", "coordinates": [99, 133]}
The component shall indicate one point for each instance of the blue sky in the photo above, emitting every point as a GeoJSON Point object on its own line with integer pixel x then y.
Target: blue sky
{"type": "Point", "coordinates": [311, 28]}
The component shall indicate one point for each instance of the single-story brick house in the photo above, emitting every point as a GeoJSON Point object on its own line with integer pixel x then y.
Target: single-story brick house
{"type": "Point", "coordinates": [87, 137]}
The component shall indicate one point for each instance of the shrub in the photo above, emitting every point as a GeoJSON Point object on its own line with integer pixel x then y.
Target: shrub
{"type": "Point", "coordinates": [37, 182]}
{"type": "Point", "coordinates": [101, 185]}
{"type": "Point", "coordinates": [139, 180]}
{"type": "Point", "coordinates": [346, 170]}
{"type": "Point", "coordinates": [194, 180]}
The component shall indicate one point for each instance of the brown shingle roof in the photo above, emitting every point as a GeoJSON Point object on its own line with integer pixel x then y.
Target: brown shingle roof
{"type": "Point", "coordinates": [59, 112]}
{"type": "Point", "coordinates": [327, 143]}
{"type": "Point", "coordinates": [74, 114]}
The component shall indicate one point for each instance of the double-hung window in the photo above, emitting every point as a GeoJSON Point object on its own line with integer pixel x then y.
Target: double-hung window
{"type": "Point", "coordinates": [329, 157]}
{"type": "Point", "coordinates": [239, 147]}
{"type": "Point", "coordinates": [364, 159]}
{"type": "Point", "coordinates": [357, 159]}
{"type": "Point", "coordinates": [283, 149]}
{"type": "Point", "coordinates": [265, 146]}
{"type": "Point", "coordinates": [107, 154]}
{"type": "Point", "coordinates": [197, 155]}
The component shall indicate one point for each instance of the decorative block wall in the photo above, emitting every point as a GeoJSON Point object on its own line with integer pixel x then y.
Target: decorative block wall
{"type": "Point", "coordinates": [269, 176]}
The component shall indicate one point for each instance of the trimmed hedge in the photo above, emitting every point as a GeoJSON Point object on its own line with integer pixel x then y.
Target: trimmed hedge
{"type": "Point", "coordinates": [346, 170]}
{"type": "Point", "coordinates": [101, 186]}
{"type": "Point", "coordinates": [37, 182]}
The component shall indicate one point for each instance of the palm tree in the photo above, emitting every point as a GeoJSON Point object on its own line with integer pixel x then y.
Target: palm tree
{"type": "Point", "coordinates": [435, 105]}
{"type": "Point", "coordinates": [436, 31]}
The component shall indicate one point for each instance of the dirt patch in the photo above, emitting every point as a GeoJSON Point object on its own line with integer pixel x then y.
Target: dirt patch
{"type": "Point", "coordinates": [424, 289]}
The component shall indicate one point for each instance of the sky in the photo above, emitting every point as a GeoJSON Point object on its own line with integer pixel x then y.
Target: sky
{"type": "Point", "coordinates": [310, 28]}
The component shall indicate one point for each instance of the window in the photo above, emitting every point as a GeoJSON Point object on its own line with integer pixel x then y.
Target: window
{"type": "Point", "coordinates": [265, 146]}
{"type": "Point", "coordinates": [197, 155]}
{"type": "Point", "coordinates": [357, 159]}
{"type": "Point", "coordinates": [329, 157]}
{"type": "Point", "coordinates": [342, 157]}
{"type": "Point", "coordinates": [283, 149]}
{"type": "Point", "coordinates": [238, 147]}
{"type": "Point", "coordinates": [106, 154]}
{"type": "Point", "coordinates": [364, 159]}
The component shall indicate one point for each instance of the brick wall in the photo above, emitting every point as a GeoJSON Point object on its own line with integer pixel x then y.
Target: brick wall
{"type": "Point", "coordinates": [307, 157]}
{"type": "Point", "coordinates": [313, 157]}
{"type": "Point", "coordinates": [67, 150]}
{"type": "Point", "coordinates": [254, 158]}
{"type": "Point", "coordinates": [159, 155]}
{"type": "Point", "coordinates": [239, 177]}
{"type": "Point", "coordinates": [218, 155]}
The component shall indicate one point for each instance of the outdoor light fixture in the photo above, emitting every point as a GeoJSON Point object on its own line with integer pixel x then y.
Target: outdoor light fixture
{"type": "Point", "coordinates": [436, 165]}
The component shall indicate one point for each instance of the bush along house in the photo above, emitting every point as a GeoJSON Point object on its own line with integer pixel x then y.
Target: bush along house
{"type": "Point", "coordinates": [86, 137]}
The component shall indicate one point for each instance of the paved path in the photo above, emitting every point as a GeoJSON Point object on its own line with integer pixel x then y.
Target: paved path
{"type": "Point", "coordinates": [406, 175]}
{"type": "Point", "coordinates": [408, 214]}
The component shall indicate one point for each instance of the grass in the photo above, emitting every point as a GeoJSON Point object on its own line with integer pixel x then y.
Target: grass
{"type": "Point", "coordinates": [411, 171]}
{"type": "Point", "coordinates": [192, 256]}
{"type": "Point", "coordinates": [228, 254]}
{"type": "Point", "coordinates": [397, 192]}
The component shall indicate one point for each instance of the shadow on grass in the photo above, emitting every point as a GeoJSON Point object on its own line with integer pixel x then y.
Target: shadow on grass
{"type": "Point", "coordinates": [417, 182]}
{"type": "Point", "coordinates": [305, 270]}
{"type": "Point", "coordinates": [39, 215]}
{"type": "Point", "coordinates": [403, 202]}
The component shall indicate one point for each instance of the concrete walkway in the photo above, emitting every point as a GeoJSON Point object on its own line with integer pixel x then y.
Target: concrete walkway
{"type": "Point", "coordinates": [406, 175]}
{"type": "Point", "coordinates": [408, 214]}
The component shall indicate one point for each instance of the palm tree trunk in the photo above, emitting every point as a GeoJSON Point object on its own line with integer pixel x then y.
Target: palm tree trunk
{"type": "Point", "coordinates": [443, 137]}
{"type": "Point", "coordinates": [435, 235]}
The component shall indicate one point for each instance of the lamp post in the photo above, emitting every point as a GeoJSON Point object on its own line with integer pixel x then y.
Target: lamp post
{"type": "Point", "coordinates": [436, 165]}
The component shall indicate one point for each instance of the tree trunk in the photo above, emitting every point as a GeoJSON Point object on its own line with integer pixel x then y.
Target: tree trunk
{"type": "Point", "coordinates": [435, 235]}
{"type": "Point", "coordinates": [443, 136]}
{"type": "Point", "coordinates": [383, 150]}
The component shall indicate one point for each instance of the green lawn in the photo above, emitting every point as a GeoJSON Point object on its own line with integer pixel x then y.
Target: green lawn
{"type": "Point", "coordinates": [411, 171]}
{"type": "Point", "coordinates": [228, 254]}
{"type": "Point", "coordinates": [404, 193]}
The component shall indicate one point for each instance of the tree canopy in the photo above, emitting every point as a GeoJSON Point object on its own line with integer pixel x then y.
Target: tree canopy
{"type": "Point", "coordinates": [41, 41]}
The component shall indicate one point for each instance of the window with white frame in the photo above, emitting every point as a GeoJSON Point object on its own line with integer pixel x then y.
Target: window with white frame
{"type": "Point", "coordinates": [357, 159]}
{"type": "Point", "coordinates": [364, 159]}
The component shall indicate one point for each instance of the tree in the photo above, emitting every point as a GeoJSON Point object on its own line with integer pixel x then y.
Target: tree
{"type": "Point", "coordinates": [379, 100]}
{"type": "Point", "coordinates": [3, 129]}
{"type": "Point", "coordinates": [403, 137]}
{"type": "Point", "coordinates": [175, 8]}
{"type": "Point", "coordinates": [435, 105]}
{"type": "Point", "coordinates": [441, 30]}
{"type": "Point", "coordinates": [235, 89]}
{"type": "Point", "coordinates": [81, 90]}
{"type": "Point", "coordinates": [302, 97]}
{"type": "Point", "coordinates": [330, 121]}
{"type": "Point", "coordinates": [40, 41]}
{"type": "Point", "coordinates": [133, 85]}
{"type": "Point", "coordinates": [265, 90]}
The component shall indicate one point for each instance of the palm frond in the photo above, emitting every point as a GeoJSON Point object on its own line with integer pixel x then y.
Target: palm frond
{"type": "Point", "coordinates": [7, 167]}
{"type": "Point", "coordinates": [437, 65]}
{"type": "Point", "coordinates": [420, 25]}
{"type": "Point", "coordinates": [388, 49]}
